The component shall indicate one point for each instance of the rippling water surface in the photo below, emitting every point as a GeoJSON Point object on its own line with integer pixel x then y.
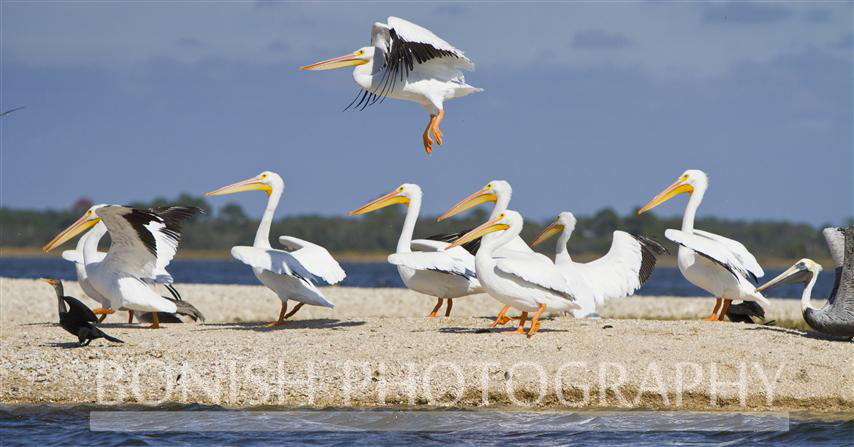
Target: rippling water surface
{"type": "Point", "coordinates": [664, 280]}
{"type": "Point", "coordinates": [66, 425]}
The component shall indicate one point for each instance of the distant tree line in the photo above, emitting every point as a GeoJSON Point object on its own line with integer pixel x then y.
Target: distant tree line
{"type": "Point", "coordinates": [379, 231]}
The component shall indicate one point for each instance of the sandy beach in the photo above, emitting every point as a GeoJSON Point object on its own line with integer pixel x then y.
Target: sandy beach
{"type": "Point", "coordinates": [377, 348]}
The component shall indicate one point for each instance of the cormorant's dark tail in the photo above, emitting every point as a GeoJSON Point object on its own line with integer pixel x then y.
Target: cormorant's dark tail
{"type": "Point", "coordinates": [744, 312]}
{"type": "Point", "coordinates": [112, 339]}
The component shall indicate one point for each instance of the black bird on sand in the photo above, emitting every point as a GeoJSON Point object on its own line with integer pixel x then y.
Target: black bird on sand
{"type": "Point", "coordinates": [77, 319]}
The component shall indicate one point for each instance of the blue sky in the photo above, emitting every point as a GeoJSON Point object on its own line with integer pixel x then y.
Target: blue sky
{"type": "Point", "coordinates": [586, 105]}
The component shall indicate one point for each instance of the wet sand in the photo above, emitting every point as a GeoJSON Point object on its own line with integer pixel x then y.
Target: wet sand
{"type": "Point", "coordinates": [376, 348]}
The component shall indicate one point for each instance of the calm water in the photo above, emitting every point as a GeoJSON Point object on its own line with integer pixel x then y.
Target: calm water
{"type": "Point", "coordinates": [664, 280]}
{"type": "Point", "coordinates": [64, 425]}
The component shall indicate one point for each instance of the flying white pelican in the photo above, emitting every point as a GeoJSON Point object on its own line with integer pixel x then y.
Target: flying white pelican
{"type": "Point", "coordinates": [619, 273]}
{"type": "Point", "coordinates": [430, 269]}
{"type": "Point", "coordinates": [837, 316]}
{"type": "Point", "coordinates": [290, 274]}
{"type": "Point", "coordinates": [718, 265]}
{"type": "Point", "coordinates": [499, 192]}
{"type": "Point", "coordinates": [523, 283]}
{"type": "Point", "coordinates": [89, 243]}
{"type": "Point", "coordinates": [143, 242]}
{"type": "Point", "coordinates": [406, 61]}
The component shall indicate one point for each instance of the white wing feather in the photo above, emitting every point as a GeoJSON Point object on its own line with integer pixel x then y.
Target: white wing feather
{"type": "Point", "coordinates": [710, 248]}
{"type": "Point", "coordinates": [616, 274]}
{"type": "Point", "coordinates": [738, 250]}
{"type": "Point", "coordinates": [314, 258]}
{"type": "Point", "coordinates": [535, 272]}
{"type": "Point", "coordinates": [414, 33]}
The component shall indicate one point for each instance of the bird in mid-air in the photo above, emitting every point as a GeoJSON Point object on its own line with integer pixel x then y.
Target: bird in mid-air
{"type": "Point", "coordinates": [77, 319]}
{"type": "Point", "coordinates": [406, 61]}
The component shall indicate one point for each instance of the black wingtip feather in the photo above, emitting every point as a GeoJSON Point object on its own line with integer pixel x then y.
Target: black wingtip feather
{"type": "Point", "coordinates": [650, 249]}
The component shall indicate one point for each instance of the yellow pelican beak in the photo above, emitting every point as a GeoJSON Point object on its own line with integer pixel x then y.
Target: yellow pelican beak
{"type": "Point", "coordinates": [488, 227]}
{"type": "Point", "coordinates": [392, 198]}
{"type": "Point", "coordinates": [82, 224]}
{"type": "Point", "coordinates": [251, 184]}
{"type": "Point", "coordinates": [349, 60]}
{"type": "Point", "coordinates": [48, 280]}
{"type": "Point", "coordinates": [483, 195]}
{"type": "Point", "coordinates": [678, 187]}
{"type": "Point", "coordinates": [551, 230]}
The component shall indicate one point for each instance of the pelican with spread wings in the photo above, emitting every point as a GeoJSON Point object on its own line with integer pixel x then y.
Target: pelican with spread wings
{"type": "Point", "coordinates": [406, 61]}
{"type": "Point", "coordinates": [291, 274]}
{"type": "Point", "coordinates": [143, 242]}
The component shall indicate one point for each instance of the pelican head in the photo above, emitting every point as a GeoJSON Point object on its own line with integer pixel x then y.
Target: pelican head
{"type": "Point", "coordinates": [403, 194]}
{"type": "Point", "coordinates": [266, 181]}
{"type": "Point", "coordinates": [492, 192]}
{"type": "Point", "coordinates": [88, 220]}
{"type": "Point", "coordinates": [691, 180]}
{"type": "Point", "coordinates": [361, 56]}
{"type": "Point", "coordinates": [801, 273]}
{"type": "Point", "coordinates": [503, 221]}
{"type": "Point", "coordinates": [565, 221]}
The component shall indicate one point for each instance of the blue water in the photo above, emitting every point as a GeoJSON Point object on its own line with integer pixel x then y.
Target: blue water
{"type": "Point", "coordinates": [664, 280]}
{"type": "Point", "coordinates": [65, 425]}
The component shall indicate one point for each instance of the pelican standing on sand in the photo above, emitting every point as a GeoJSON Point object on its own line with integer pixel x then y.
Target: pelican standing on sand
{"type": "Point", "coordinates": [89, 243]}
{"type": "Point", "coordinates": [406, 61]}
{"type": "Point", "coordinates": [431, 270]}
{"type": "Point", "coordinates": [290, 274]}
{"type": "Point", "coordinates": [837, 316]}
{"type": "Point", "coordinates": [618, 273]}
{"type": "Point", "coordinates": [518, 282]}
{"type": "Point", "coordinates": [143, 242]}
{"type": "Point", "coordinates": [718, 265]}
{"type": "Point", "coordinates": [500, 192]}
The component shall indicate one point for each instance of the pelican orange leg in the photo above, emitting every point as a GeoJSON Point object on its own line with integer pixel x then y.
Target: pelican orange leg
{"type": "Point", "coordinates": [522, 319]}
{"type": "Point", "coordinates": [428, 143]}
{"type": "Point", "coordinates": [723, 310]}
{"type": "Point", "coordinates": [437, 133]}
{"type": "Point", "coordinates": [281, 319]}
{"type": "Point", "coordinates": [535, 322]}
{"type": "Point", "coordinates": [502, 317]}
{"type": "Point", "coordinates": [130, 317]}
{"type": "Point", "coordinates": [156, 323]}
{"type": "Point", "coordinates": [436, 309]}
{"type": "Point", "coordinates": [714, 315]}
{"type": "Point", "coordinates": [448, 309]}
{"type": "Point", "coordinates": [296, 308]}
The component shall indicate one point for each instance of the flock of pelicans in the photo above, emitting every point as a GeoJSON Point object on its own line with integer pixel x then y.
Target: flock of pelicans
{"type": "Point", "coordinates": [408, 62]}
{"type": "Point", "coordinates": [490, 258]}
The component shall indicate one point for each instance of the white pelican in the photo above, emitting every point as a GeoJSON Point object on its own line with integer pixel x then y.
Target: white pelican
{"type": "Point", "coordinates": [519, 282]}
{"type": "Point", "coordinates": [837, 316]}
{"type": "Point", "coordinates": [499, 192]}
{"type": "Point", "coordinates": [430, 269]}
{"type": "Point", "coordinates": [143, 242]}
{"type": "Point", "coordinates": [718, 265]}
{"type": "Point", "coordinates": [89, 243]}
{"type": "Point", "coordinates": [619, 273]}
{"type": "Point", "coordinates": [290, 274]}
{"type": "Point", "coordinates": [406, 61]}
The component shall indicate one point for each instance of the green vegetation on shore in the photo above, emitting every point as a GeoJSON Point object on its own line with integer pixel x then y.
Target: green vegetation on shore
{"type": "Point", "coordinates": [369, 237]}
